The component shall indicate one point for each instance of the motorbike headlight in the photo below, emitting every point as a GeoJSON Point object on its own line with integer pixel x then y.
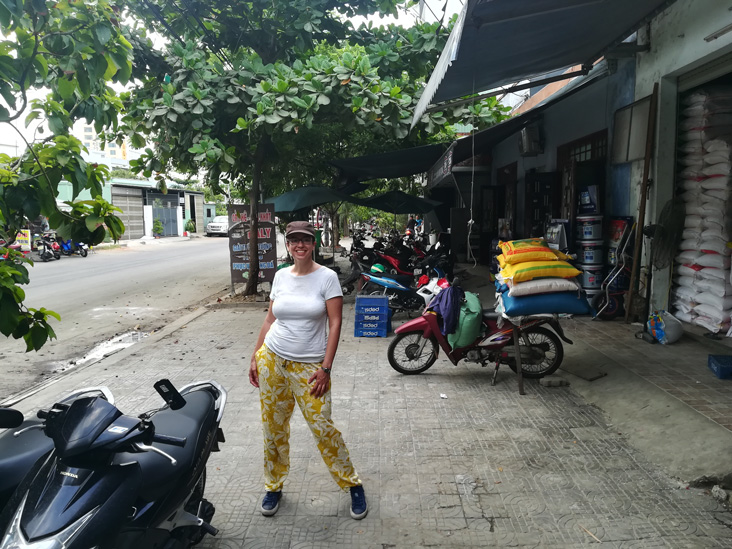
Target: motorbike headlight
{"type": "Point", "coordinates": [14, 538]}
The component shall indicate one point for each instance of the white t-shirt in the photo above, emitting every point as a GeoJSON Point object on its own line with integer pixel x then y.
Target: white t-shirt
{"type": "Point", "coordinates": [299, 333]}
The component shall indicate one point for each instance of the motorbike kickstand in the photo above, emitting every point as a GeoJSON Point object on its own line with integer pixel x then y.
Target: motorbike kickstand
{"type": "Point", "coordinates": [495, 374]}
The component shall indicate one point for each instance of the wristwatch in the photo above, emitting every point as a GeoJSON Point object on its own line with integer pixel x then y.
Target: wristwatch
{"type": "Point", "coordinates": [326, 370]}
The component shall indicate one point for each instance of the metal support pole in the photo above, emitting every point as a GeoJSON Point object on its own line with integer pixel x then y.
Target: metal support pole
{"type": "Point", "coordinates": [517, 348]}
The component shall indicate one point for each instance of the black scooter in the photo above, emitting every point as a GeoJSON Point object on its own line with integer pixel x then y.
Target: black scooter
{"type": "Point", "coordinates": [86, 475]}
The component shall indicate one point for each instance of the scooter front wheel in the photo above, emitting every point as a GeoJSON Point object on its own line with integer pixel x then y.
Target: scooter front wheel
{"type": "Point", "coordinates": [405, 356]}
{"type": "Point", "coordinates": [542, 358]}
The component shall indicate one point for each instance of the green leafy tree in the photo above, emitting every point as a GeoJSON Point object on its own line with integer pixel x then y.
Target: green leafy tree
{"type": "Point", "coordinates": [66, 52]}
{"type": "Point", "coordinates": [124, 173]}
{"type": "Point", "coordinates": [243, 85]}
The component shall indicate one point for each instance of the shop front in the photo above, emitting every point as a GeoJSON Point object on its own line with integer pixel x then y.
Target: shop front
{"type": "Point", "coordinates": [691, 61]}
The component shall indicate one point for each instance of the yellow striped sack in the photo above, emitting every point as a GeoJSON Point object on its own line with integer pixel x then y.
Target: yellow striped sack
{"type": "Point", "coordinates": [530, 249]}
{"type": "Point", "coordinates": [529, 270]}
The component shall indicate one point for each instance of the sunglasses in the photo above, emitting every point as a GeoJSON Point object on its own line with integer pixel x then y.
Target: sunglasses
{"type": "Point", "coordinates": [293, 241]}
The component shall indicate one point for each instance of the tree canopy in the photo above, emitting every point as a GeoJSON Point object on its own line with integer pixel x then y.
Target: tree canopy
{"type": "Point", "coordinates": [262, 94]}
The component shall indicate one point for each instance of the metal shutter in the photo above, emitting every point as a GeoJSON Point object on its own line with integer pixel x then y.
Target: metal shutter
{"type": "Point", "coordinates": [709, 71]}
{"type": "Point", "coordinates": [129, 200]}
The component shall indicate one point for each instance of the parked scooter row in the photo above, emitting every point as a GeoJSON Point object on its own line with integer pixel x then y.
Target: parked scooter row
{"type": "Point", "coordinates": [50, 246]}
{"type": "Point", "coordinates": [85, 475]}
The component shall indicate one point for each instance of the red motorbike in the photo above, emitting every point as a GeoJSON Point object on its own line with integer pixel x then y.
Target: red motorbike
{"type": "Point", "coordinates": [416, 346]}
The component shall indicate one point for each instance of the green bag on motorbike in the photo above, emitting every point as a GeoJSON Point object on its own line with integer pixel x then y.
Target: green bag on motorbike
{"type": "Point", "coordinates": [469, 322]}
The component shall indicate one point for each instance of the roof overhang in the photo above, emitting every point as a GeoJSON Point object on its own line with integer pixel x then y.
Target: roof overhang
{"type": "Point", "coordinates": [502, 42]}
{"type": "Point", "coordinates": [483, 141]}
{"type": "Point", "coordinates": [392, 164]}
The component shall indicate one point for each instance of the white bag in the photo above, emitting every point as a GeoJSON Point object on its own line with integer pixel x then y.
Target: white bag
{"type": "Point", "coordinates": [710, 273]}
{"type": "Point", "coordinates": [720, 288]}
{"type": "Point", "coordinates": [722, 168]}
{"type": "Point", "coordinates": [685, 317]}
{"type": "Point", "coordinates": [720, 144]}
{"type": "Point", "coordinates": [720, 183]}
{"type": "Point", "coordinates": [543, 286]}
{"type": "Point", "coordinates": [692, 221]}
{"type": "Point", "coordinates": [712, 260]}
{"type": "Point", "coordinates": [688, 256]}
{"type": "Point", "coordinates": [715, 245]}
{"type": "Point", "coordinates": [687, 293]}
{"type": "Point", "coordinates": [711, 324]}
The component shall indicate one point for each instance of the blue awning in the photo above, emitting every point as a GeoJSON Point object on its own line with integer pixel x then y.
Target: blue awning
{"type": "Point", "coordinates": [505, 41]}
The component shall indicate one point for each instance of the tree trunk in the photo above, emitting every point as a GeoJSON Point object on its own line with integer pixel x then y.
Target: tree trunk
{"type": "Point", "coordinates": [259, 159]}
{"type": "Point", "coordinates": [336, 231]}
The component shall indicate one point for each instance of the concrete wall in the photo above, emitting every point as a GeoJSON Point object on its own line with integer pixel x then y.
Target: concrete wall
{"type": "Point", "coordinates": [677, 46]}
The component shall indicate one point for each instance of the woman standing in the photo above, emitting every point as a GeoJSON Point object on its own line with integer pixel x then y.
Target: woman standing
{"type": "Point", "coordinates": [292, 363]}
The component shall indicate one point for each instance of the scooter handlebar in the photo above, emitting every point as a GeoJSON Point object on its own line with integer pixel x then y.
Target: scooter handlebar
{"type": "Point", "coordinates": [166, 439]}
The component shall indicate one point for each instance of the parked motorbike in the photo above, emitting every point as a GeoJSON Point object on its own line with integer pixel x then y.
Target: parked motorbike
{"type": "Point", "coordinates": [44, 248]}
{"type": "Point", "coordinates": [416, 346]}
{"type": "Point", "coordinates": [86, 475]}
{"type": "Point", "coordinates": [403, 293]}
{"type": "Point", "coordinates": [69, 247]}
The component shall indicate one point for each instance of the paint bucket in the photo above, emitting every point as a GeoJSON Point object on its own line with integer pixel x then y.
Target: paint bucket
{"type": "Point", "coordinates": [589, 252]}
{"type": "Point", "coordinates": [589, 227]}
{"type": "Point", "coordinates": [591, 276]}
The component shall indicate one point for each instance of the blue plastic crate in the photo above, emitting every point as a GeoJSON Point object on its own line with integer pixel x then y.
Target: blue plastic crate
{"type": "Point", "coordinates": [374, 324]}
{"type": "Point", "coordinates": [372, 304]}
{"type": "Point", "coordinates": [369, 332]}
{"type": "Point", "coordinates": [372, 317]}
{"type": "Point", "coordinates": [721, 365]}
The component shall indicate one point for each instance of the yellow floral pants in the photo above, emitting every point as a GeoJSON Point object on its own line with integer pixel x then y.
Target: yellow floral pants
{"type": "Point", "coordinates": [281, 383]}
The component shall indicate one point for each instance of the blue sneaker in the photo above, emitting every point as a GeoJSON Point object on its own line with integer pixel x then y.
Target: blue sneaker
{"type": "Point", "coordinates": [270, 503]}
{"type": "Point", "coordinates": [359, 508]}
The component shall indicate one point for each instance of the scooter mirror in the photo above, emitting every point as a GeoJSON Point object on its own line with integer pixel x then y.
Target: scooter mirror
{"type": "Point", "coordinates": [10, 418]}
{"type": "Point", "coordinates": [170, 394]}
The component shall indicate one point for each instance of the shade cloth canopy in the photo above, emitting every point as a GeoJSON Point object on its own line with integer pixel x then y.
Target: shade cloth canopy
{"type": "Point", "coordinates": [399, 202]}
{"type": "Point", "coordinates": [388, 165]}
{"type": "Point", "coordinates": [505, 41]}
{"type": "Point", "coordinates": [306, 198]}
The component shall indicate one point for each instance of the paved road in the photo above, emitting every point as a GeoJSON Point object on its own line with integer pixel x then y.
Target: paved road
{"type": "Point", "coordinates": [113, 291]}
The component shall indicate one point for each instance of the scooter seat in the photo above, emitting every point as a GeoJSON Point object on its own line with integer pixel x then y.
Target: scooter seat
{"type": "Point", "coordinates": [404, 280]}
{"type": "Point", "coordinates": [194, 423]}
{"type": "Point", "coordinates": [19, 454]}
{"type": "Point", "coordinates": [490, 315]}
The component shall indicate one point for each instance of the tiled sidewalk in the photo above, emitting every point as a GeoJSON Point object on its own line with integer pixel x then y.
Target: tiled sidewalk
{"type": "Point", "coordinates": [447, 459]}
{"type": "Point", "coordinates": [679, 369]}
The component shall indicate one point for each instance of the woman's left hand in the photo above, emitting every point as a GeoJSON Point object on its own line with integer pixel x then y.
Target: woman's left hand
{"type": "Point", "coordinates": [322, 382]}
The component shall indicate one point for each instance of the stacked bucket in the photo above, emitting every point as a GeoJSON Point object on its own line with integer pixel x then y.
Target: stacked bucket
{"type": "Point", "coordinates": [590, 253]}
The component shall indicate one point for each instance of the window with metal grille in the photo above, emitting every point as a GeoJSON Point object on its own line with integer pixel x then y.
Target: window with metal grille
{"type": "Point", "coordinates": [590, 147]}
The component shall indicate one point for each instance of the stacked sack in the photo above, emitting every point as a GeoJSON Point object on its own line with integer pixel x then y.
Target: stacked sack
{"type": "Point", "coordinates": [534, 279]}
{"type": "Point", "coordinates": [702, 293]}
